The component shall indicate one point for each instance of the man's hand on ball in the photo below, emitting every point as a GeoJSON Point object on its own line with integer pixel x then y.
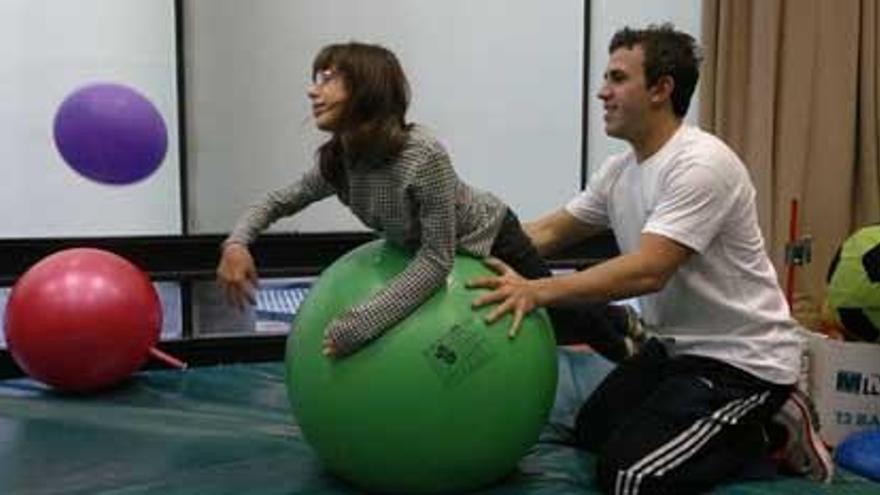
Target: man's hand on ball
{"type": "Point", "coordinates": [513, 293]}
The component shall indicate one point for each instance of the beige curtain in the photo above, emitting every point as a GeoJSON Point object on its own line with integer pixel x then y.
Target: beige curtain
{"type": "Point", "coordinates": [866, 197]}
{"type": "Point", "coordinates": [792, 86]}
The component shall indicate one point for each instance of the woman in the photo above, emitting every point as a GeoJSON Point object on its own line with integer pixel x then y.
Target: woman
{"type": "Point", "coordinates": [398, 180]}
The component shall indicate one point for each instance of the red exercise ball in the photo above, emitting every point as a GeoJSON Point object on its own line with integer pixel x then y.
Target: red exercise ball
{"type": "Point", "coordinates": [82, 319]}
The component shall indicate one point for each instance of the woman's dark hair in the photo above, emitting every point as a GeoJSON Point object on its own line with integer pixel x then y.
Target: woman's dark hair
{"type": "Point", "coordinates": [372, 126]}
{"type": "Point", "coordinates": [667, 53]}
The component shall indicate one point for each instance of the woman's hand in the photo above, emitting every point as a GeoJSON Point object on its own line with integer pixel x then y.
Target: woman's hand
{"type": "Point", "coordinates": [328, 348]}
{"type": "Point", "coordinates": [237, 275]}
{"type": "Point", "coordinates": [512, 291]}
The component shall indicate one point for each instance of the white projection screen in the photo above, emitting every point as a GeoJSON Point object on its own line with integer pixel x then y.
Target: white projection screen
{"type": "Point", "coordinates": [499, 81]}
{"type": "Point", "coordinates": [50, 50]}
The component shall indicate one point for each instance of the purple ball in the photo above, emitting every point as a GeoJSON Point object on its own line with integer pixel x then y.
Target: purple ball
{"type": "Point", "coordinates": [110, 133]}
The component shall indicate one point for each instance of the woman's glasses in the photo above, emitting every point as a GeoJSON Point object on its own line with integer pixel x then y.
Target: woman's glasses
{"type": "Point", "coordinates": [325, 76]}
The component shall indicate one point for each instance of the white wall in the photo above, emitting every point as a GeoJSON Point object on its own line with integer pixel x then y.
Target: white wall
{"type": "Point", "coordinates": [500, 82]}
{"type": "Point", "coordinates": [49, 48]}
{"type": "Point", "coordinates": [606, 17]}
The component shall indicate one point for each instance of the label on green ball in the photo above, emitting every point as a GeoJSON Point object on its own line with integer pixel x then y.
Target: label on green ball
{"type": "Point", "coordinates": [458, 354]}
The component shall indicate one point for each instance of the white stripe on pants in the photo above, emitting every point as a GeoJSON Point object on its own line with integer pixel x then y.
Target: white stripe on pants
{"type": "Point", "coordinates": [687, 443]}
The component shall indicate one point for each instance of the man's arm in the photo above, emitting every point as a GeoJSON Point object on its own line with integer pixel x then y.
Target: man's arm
{"type": "Point", "coordinates": [644, 271]}
{"type": "Point", "coordinates": [558, 230]}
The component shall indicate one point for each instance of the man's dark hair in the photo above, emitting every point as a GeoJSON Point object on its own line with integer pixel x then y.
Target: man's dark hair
{"type": "Point", "coordinates": [667, 53]}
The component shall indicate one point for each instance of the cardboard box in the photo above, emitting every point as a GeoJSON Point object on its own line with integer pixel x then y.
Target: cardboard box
{"type": "Point", "coordinates": [844, 382]}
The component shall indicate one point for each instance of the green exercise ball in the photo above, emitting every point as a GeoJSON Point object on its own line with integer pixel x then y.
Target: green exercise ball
{"type": "Point", "coordinates": [442, 402]}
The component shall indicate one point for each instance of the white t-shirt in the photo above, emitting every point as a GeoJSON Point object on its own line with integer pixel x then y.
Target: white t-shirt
{"type": "Point", "coordinates": [724, 302]}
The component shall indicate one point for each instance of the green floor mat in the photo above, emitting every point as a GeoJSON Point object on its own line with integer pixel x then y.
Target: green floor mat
{"type": "Point", "coordinates": [228, 430]}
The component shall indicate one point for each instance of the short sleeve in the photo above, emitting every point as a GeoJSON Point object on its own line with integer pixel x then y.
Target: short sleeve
{"type": "Point", "coordinates": [590, 206]}
{"type": "Point", "coordinates": [694, 203]}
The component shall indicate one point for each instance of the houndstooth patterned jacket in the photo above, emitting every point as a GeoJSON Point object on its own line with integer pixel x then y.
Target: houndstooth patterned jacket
{"type": "Point", "coordinates": [418, 201]}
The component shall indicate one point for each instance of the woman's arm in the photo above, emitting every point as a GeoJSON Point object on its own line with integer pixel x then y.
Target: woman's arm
{"type": "Point", "coordinates": [434, 191]}
{"type": "Point", "coordinates": [237, 272]}
{"type": "Point", "coordinates": [280, 203]}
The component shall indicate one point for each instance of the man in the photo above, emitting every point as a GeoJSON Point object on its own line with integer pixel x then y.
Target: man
{"type": "Point", "coordinates": [693, 407]}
